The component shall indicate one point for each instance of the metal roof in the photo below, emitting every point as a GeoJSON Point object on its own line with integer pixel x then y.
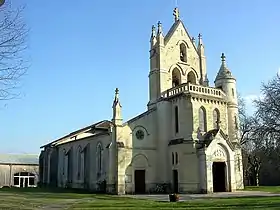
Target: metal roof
{"type": "Point", "coordinates": [19, 158]}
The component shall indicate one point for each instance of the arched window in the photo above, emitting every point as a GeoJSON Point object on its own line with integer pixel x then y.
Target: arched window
{"type": "Point", "coordinates": [183, 52]}
{"type": "Point", "coordinates": [99, 159]}
{"type": "Point", "coordinates": [176, 77]}
{"type": "Point", "coordinates": [79, 162]}
{"type": "Point", "coordinates": [202, 119]}
{"type": "Point", "coordinates": [176, 158]}
{"type": "Point", "coordinates": [191, 78]}
{"type": "Point", "coordinates": [216, 119]}
{"type": "Point", "coordinates": [176, 119]}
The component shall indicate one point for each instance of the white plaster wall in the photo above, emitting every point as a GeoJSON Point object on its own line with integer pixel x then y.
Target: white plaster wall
{"type": "Point", "coordinates": [92, 143]}
{"type": "Point", "coordinates": [188, 167]}
{"type": "Point", "coordinates": [138, 154]}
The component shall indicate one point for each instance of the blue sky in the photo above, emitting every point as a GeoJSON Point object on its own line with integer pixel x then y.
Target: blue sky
{"type": "Point", "coordinates": [81, 51]}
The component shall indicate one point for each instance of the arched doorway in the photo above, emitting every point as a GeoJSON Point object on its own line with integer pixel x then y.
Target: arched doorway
{"type": "Point", "coordinates": [140, 167]}
{"type": "Point", "coordinates": [24, 179]}
{"type": "Point", "coordinates": [219, 176]}
{"type": "Point", "coordinates": [220, 173]}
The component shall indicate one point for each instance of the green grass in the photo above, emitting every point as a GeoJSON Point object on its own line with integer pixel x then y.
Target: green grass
{"type": "Point", "coordinates": [45, 199]}
{"type": "Point", "coordinates": [272, 189]}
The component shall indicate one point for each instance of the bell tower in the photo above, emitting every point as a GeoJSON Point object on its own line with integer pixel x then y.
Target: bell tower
{"type": "Point", "coordinates": [174, 60]}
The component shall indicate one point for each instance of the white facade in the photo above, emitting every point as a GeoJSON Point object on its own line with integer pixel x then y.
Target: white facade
{"type": "Point", "coordinates": [186, 141]}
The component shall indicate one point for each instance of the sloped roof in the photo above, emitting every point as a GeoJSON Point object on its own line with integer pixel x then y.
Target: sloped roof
{"type": "Point", "coordinates": [19, 158]}
{"type": "Point", "coordinates": [103, 125]}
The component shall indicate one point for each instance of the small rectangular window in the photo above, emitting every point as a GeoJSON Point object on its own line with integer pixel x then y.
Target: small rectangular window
{"type": "Point", "coordinates": [232, 91]}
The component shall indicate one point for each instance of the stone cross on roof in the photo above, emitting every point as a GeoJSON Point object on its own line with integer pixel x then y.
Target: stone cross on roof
{"type": "Point", "coordinates": [176, 14]}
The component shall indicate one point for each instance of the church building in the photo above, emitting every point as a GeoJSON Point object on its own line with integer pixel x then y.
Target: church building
{"type": "Point", "coordinates": [187, 141]}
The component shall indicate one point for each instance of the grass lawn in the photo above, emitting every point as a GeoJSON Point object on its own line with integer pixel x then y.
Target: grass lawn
{"type": "Point", "coordinates": [272, 189]}
{"type": "Point", "coordinates": [39, 199]}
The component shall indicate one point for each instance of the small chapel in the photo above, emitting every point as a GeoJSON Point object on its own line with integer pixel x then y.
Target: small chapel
{"type": "Point", "coordinates": [187, 141]}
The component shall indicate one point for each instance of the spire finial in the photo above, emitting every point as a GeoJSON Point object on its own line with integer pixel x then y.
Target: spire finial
{"type": "Point", "coordinates": [153, 31]}
{"type": "Point", "coordinates": [159, 27]}
{"type": "Point", "coordinates": [117, 92]}
{"type": "Point", "coordinates": [117, 108]}
{"type": "Point", "coordinates": [223, 57]}
{"type": "Point", "coordinates": [116, 100]}
{"type": "Point", "coordinates": [193, 40]}
{"type": "Point", "coordinates": [200, 39]}
{"type": "Point", "coordinates": [176, 14]}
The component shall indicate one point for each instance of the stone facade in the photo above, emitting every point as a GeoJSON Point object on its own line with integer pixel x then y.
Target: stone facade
{"type": "Point", "coordinates": [186, 141]}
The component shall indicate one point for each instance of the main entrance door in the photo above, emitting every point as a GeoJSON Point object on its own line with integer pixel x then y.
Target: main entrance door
{"type": "Point", "coordinates": [219, 176]}
{"type": "Point", "coordinates": [139, 181]}
{"type": "Point", "coordinates": [175, 181]}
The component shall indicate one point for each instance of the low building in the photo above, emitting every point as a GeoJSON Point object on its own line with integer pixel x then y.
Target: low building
{"type": "Point", "coordinates": [19, 170]}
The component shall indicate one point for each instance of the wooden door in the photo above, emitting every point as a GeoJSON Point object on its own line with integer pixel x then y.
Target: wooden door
{"type": "Point", "coordinates": [140, 181]}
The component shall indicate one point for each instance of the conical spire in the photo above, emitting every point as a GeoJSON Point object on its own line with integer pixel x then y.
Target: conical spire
{"type": "Point", "coordinates": [153, 31]}
{"type": "Point", "coordinates": [117, 115]}
{"type": "Point", "coordinates": [160, 36]}
{"type": "Point", "coordinates": [159, 32]}
{"type": "Point", "coordinates": [200, 46]}
{"type": "Point", "coordinates": [224, 72]}
{"type": "Point", "coordinates": [153, 39]}
{"type": "Point", "coordinates": [200, 39]}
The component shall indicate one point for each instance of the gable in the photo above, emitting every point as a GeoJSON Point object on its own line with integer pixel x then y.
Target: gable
{"type": "Point", "coordinates": [177, 33]}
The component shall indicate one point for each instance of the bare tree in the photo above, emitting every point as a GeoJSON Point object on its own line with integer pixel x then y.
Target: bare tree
{"type": "Point", "coordinates": [13, 61]}
{"type": "Point", "coordinates": [251, 144]}
{"type": "Point", "coordinates": [268, 108]}
{"type": "Point", "coordinates": [246, 122]}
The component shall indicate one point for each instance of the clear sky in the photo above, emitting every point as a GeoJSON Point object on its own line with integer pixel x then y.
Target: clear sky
{"type": "Point", "coordinates": [82, 50]}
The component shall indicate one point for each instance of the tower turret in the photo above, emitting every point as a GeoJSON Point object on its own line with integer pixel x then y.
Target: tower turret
{"type": "Point", "coordinates": [225, 81]}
